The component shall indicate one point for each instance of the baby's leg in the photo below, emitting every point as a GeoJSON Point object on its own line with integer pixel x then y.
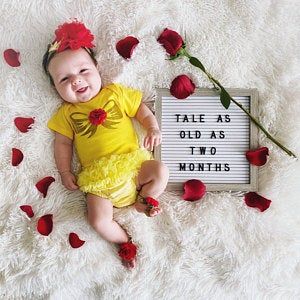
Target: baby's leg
{"type": "Point", "coordinates": [100, 217]}
{"type": "Point", "coordinates": [153, 178]}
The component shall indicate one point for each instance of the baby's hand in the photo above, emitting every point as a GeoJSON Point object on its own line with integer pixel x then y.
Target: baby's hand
{"type": "Point", "coordinates": [152, 139]}
{"type": "Point", "coordinates": [69, 180]}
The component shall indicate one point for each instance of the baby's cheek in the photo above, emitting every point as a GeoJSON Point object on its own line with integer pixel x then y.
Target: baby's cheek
{"type": "Point", "coordinates": [67, 94]}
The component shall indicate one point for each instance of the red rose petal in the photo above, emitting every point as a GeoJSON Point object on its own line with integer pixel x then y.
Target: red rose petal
{"type": "Point", "coordinates": [73, 35]}
{"type": "Point", "coordinates": [16, 157]}
{"type": "Point", "coordinates": [126, 46]}
{"type": "Point", "coordinates": [257, 157]}
{"type": "Point", "coordinates": [75, 241]}
{"type": "Point", "coordinates": [43, 185]}
{"type": "Point", "coordinates": [45, 224]}
{"type": "Point", "coordinates": [253, 199]}
{"type": "Point", "coordinates": [182, 87]}
{"type": "Point", "coordinates": [12, 57]}
{"type": "Point", "coordinates": [28, 210]}
{"type": "Point", "coordinates": [194, 189]}
{"type": "Point", "coordinates": [23, 124]}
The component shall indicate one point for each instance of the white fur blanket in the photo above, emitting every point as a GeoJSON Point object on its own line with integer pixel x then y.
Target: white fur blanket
{"type": "Point", "coordinates": [217, 248]}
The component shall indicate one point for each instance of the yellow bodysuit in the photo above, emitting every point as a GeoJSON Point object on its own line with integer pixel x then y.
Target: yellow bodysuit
{"type": "Point", "coordinates": [105, 141]}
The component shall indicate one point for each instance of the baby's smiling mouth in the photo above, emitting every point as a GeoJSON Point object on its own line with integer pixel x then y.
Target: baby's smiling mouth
{"type": "Point", "coordinates": [82, 90]}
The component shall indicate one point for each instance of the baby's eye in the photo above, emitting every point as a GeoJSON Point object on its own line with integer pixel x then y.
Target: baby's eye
{"type": "Point", "coordinates": [64, 79]}
{"type": "Point", "coordinates": [83, 70]}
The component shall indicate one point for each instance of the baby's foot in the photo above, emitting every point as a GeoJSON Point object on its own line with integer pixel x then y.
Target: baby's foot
{"type": "Point", "coordinates": [127, 252]}
{"type": "Point", "coordinates": [148, 210]}
{"type": "Point", "coordinates": [129, 264]}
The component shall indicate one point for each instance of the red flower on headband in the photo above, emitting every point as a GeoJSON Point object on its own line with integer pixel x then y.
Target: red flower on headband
{"type": "Point", "coordinates": [73, 36]}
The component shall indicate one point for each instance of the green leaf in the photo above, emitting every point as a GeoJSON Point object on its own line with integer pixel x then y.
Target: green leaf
{"type": "Point", "coordinates": [196, 62]}
{"type": "Point", "coordinates": [225, 98]}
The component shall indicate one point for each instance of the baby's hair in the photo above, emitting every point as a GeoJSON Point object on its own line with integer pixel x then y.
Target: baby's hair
{"type": "Point", "coordinates": [48, 56]}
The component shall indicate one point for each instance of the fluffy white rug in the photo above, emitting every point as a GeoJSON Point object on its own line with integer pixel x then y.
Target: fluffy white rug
{"type": "Point", "coordinates": [214, 249]}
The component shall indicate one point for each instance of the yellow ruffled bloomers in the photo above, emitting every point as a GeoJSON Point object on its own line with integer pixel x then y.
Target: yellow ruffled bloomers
{"type": "Point", "coordinates": [114, 177]}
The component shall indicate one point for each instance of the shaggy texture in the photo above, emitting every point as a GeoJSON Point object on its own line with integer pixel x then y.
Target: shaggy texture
{"type": "Point", "coordinates": [217, 248]}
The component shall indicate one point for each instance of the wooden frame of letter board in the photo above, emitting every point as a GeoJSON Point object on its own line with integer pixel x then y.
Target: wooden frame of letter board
{"type": "Point", "coordinates": [253, 138]}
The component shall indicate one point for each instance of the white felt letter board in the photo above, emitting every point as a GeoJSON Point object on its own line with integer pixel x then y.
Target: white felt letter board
{"type": "Point", "coordinates": [203, 140]}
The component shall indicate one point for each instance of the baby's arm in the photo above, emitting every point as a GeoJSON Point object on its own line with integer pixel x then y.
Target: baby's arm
{"type": "Point", "coordinates": [149, 122]}
{"type": "Point", "coordinates": [63, 149]}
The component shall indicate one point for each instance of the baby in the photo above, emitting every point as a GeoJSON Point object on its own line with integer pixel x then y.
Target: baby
{"type": "Point", "coordinates": [98, 121]}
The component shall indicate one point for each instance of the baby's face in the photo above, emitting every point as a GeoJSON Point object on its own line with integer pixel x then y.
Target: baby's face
{"type": "Point", "coordinates": [75, 76]}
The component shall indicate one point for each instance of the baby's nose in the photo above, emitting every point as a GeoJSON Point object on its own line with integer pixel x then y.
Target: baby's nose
{"type": "Point", "coordinates": [76, 81]}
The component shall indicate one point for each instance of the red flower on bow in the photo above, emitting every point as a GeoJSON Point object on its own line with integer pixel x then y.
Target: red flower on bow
{"type": "Point", "coordinates": [97, 116]}
{"type": "Point", "coordinates": [182, 87]}
{"type": "Point", "coordinates": [72, 36]}
{"type": "Point", "coordinates": [151, 201]}
{"type": "Point", "coordinates": [127, 251]}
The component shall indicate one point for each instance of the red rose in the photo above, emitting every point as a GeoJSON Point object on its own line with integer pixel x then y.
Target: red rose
{"type": "Point", "coordinates": [127, 251]}
{"type": "Point", "coordinates": [253, 199]}
{"type": "Point", "coordinates": [171, 41]}
{"type": "Point", "coordinates": [126, 46]}
{"type": "Point", "coordinates": [97, 116]}
{"type": "Point", "coordinates": [182, 87]}
{"type": "Point", "coordinates": [73, 35]}
{"type": "Point", "coordinates": [194, 189]}
{"type": "Point", "coordinates": [257, 157]}
{"type": "Point", "coordinates": [151, 201]}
